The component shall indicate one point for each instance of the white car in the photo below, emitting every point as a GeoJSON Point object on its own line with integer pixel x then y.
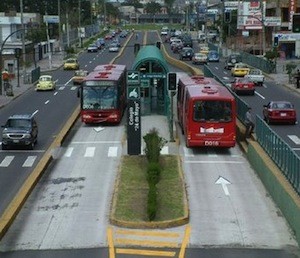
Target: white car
{"type": "Point", "coordinates": [113, 47]}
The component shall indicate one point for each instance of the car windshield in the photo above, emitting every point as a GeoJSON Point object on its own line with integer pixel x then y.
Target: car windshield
{"type": "Point", "coordinates": [18, 123]}
{"type": "Point", "coordinates": [45, 79]}
{"type": "Point", "coordinates": [254, 72]}
{"type": "Point", "coordinates": [212, 110]}
{"type": "Point", "coordinates": [71, 61]}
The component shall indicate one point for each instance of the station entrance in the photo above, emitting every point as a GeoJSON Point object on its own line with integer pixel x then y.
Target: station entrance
{"type": "Point", "coordinates": [154, 71]}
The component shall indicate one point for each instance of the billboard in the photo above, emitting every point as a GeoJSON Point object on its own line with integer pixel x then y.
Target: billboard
{"type": "Point", "coordinates": [251, 15]}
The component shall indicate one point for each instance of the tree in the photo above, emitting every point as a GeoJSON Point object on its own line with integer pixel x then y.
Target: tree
{"type": "Point", "coordinates": [169, 5]}
{"type": "Point", "coordinates": [153, 7]}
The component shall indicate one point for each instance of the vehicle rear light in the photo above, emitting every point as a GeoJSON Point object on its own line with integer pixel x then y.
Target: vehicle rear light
{"type": "Point", "coordinates": [86, 116]}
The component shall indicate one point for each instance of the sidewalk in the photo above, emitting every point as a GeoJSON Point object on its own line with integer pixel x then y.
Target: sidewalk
{"type": "Point", "coordinates": [45, 66]}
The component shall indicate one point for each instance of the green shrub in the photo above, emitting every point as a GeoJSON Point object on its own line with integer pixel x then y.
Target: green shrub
{"type": "Point", "coordinates": [153, 173]}
{"type": "Point", "coordinates": [154, 144]}
{"type": "Point", "coordinates": [152, 202]}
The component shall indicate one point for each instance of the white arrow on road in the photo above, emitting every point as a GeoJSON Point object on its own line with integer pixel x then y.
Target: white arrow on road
{"type": "Point", "coordinates": [222, 181]}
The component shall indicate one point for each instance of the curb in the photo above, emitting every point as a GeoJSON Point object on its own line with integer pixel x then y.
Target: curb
{"type": "Point", "coordinates": [20, 198]}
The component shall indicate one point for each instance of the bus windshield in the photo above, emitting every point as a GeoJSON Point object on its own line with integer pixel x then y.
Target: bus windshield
{"type": "Point", "coordinates": [99, 97]}
{"type": "Point", "coordinates": [212, 110]}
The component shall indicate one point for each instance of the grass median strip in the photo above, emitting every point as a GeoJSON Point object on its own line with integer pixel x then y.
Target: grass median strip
{"type": "Point", "coordinates": [131, 197]}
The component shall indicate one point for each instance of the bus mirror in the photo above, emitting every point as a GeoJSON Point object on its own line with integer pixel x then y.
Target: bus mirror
{"type": "Point", "coordinates": [172, 81]}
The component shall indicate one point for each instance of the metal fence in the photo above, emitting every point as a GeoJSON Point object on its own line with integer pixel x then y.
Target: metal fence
{"type": "Point", "coordinates": [280, 152]}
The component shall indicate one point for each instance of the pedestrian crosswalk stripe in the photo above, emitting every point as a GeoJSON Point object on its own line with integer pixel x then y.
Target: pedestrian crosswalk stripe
{"type": "Point", "coordinates": [89, 152]}
{"type": "Point", "coordinates": [112, 151]}
{"type": "Point", "coordinates": [29, 161]}
{"type": "Point", "coordinates": [165, 150]}
{"type": "Point", "coordinates": [6, 161]}
{"type": "Point", "coordinates": [69, 151]}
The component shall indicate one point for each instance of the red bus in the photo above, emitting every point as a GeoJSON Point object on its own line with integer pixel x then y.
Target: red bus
{"type": "Point", "coordinates": [190, 80]}
{"type": "Point", "coordinates": [207, 113]}
{"type": "Point", "coordinates": [103, 95]}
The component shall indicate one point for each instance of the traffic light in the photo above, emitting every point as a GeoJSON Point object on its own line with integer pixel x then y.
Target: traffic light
{"type": "Point", "coordinates": [227, 16]}
{"type": "Point", "coordinates": [172, 81]}
{"type": "Point", "coordinates": [18, 52]}
{"type": "Point", "coordinates": [296, 23]}
{"type": "Point", "coordinates": [276, 41]}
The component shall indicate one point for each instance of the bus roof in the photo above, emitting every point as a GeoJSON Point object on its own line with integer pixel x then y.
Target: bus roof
{"type": "Point", "coordinates": [209, 92]}
{"type": "Point", "coordinates": [108, 67]}
{"type": "Point", "coordinates": [197, 79]}
{"type": "Point", "coordinates": [106, 73]}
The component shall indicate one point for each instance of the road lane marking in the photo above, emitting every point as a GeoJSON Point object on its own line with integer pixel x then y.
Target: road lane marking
{"type": "Point", "coordinates": [55, 93]}
{"type": "Point", "coordinates": [145, 252]}
{"type": "Point", "coordinates": [213, 161]}
{"type": "Point", "coordinates": [89, 152]}
{"type": "Point", "coordinates": [294, 138]}
{"type": "Point", "coordinates": [112, 151]}
{"type": "Point", "coordinates": [95, 142]}
{"type": "Point", "coordinates": [68, 81]}
{"type": "Point", "coordinates": [68, 152]}
{"type": "Point", "coordinates": [165, 150]}
{"type": "Point", "coordinates": [29, 161]}
{"type": "Point", "coordinates": [6, 161]}
{"type": "Point", "coordinates": [188, 152]}
{"type": "Point", "coordinates": [47, 102]}
{"type": "Point", "coordinates": [61, 88]}
{"type": "Point", "coordinates": [74, 88]}
{"type": "Point", "coordinates": [187, 233]}
{"type": "Point", "coordinates": [259, 95]}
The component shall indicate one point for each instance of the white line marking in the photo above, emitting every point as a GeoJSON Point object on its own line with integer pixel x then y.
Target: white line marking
{"type": "Point", "coordinates": [68, 81]}
{"type": "Point", "coordinates": [226, 78]}
{"type": "Point", "coordinates": [213, 161]}
{"type": "Point", "coordinates": [112, 152]}
{"type": "Point", "coordinates": [188, 152]}
{"type": "Point", "coordinates": [110, 142]}
{"type": "Point", "coordinates": [35, 112]}
{"type": "Point", "coordinates": [294, 138]}
{"type": "Point", "coordinates": [29, 161]}
{"type": "Point", "coordinates": [73, 88]}
{"type": "Point", "coordinates": [165, 150]}
{"type": "Point", "coordinates": [47, 102]}
{"type": "Point", "coordinates": [296, 149]}
{"type": "Point", "coordinates": [259, 95]}
{"type": "Point", "coordinates": [7, 160]}
{"type": "Point", "coordinates": [89, 152]}
{"type": "Point", "coordinates": [211, 154]}
{"type": "Point", "coordinates": [61, 88]}
{"type": "Point", "coordinates": [68, 152]}
{"type": "Point", "coordinates": [98, 129]}
{"type": "Point", "coordinates": [55, 93]}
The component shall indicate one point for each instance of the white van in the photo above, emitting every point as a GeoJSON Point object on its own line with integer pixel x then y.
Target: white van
{"type": "Point", "coordinates": [201, 37]}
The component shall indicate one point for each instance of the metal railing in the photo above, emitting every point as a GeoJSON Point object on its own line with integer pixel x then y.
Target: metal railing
{"type": "Point", "coordinates": [280, 152]}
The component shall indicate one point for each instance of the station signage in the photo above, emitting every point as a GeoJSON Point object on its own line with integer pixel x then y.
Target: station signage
{"type": "Point", "coordinates": [134, 127]}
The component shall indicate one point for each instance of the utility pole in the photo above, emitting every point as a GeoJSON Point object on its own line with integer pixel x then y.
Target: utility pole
{"type": "Point", "coordinates": [263, 27]}
{"type": "Point", "coordinates": [23, 40]}
{"type": "Point", "coordinates": [59, 26]}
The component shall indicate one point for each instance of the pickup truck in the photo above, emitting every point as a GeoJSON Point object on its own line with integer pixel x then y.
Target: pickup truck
{"type": "Point", "coordinates": [256, 76]}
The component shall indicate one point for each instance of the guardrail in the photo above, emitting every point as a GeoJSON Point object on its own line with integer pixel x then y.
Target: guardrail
{"type": "Point", "coordinates": [280, 152]}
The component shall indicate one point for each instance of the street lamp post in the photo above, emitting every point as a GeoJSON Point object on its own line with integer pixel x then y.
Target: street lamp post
{"type": "Point", "coordinates": [23, 40]}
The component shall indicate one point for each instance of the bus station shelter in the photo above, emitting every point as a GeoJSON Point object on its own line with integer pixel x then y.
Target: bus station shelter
{"type": "Point", "coordinates": [154, 71]}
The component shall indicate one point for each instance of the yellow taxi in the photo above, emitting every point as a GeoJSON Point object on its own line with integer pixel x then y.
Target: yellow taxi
{"type": "Point", "coordinates": [71, 64]}
{"type": "Point", "coordinates": [204, 50]}
{"type": "Point", "coordinates": [45, 82]}
{"type": "Point", "coordinates": [240, 70]}
{"type": "Point", "coordinates": [79, 75]}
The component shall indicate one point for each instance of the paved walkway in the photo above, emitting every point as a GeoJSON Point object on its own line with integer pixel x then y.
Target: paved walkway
{"type": "Point", "coordinates": [45, 65]}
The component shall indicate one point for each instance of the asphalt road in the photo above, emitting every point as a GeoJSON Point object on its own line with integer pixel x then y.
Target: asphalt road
{"type": "Point", "coordinates": [68, 210]}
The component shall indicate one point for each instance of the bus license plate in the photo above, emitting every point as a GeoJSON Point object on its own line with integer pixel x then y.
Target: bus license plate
{"type": "Point", "coordinates": [211, 143]}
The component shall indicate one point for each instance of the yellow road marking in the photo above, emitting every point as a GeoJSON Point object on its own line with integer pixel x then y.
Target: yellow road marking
{"type": "Point", "coordinates": [145, 252]}
{"type": "Point", "coordinates": [185, 241]}
{"type": "Point", "coordinates": [147, 233]}
{"type": "Point", "coordinates": [122, 241]}
{"type": "Point", "coordinates": [110, 242]}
